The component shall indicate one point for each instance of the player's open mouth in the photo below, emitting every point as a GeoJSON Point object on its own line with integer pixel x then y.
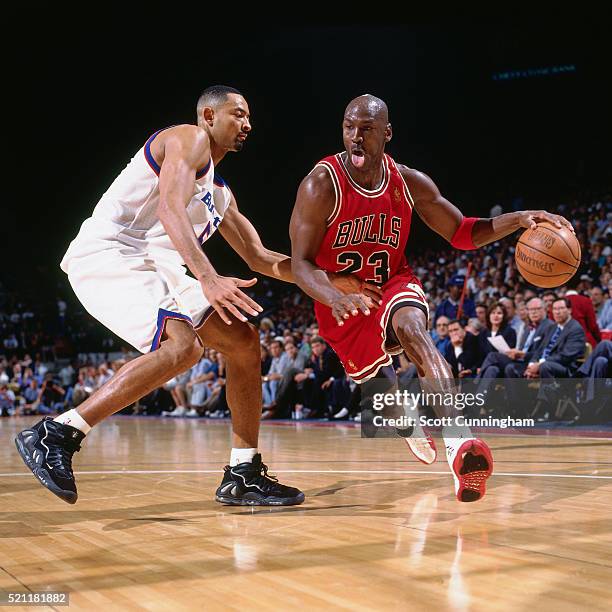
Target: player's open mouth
{"type": "Point", "coordinates": [357, 158]}
{"type": "Point", "coordinates": [242, 137]}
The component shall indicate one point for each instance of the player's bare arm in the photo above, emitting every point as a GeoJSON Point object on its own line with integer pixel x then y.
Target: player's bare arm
{"type": "Point", "coordinates": [314, 203]}
{"type": "Point", "coordinates": [182, 150]}
{"type": "Point", "coordinates": [242, 236]}
{"type": "Point", "coordinates": [446, 219]}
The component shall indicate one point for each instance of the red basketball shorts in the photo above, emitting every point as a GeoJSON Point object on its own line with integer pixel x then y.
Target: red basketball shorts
{"type": "Point", "coordinates": [361, 343]}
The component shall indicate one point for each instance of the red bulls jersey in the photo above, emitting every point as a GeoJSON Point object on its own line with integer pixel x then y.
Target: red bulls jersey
{"type": "Point", "coordinates": [367, 230]}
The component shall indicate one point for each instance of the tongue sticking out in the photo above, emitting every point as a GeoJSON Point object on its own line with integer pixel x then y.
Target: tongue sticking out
{"type": "Point", "coordinates": [357, 160]}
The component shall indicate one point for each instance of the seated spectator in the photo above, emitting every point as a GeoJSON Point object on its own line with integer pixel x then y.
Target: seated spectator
{"type": "Point", "coordinates": [271, 379]}
{"type": "Point", "coordinates": [177, 387]}
{"type": "Point", "coordinates": [558, 353]}
{"type": "Point", "coordinates": [512, 317]}
{"type": "Point", "coordinates": [83, 387]}
{"type": "Point", "coordinates": [597, 296]}
{"type": "Point", "coordinates": [474, 326]}
{"type": "Point", "coordinates": [201, 380]}
{"type": "Point", "coordinates": [462, 351]}
{"type": "Point", "coordinates": [523, 330]}
{"type": "Point", "coordinates": [481, 314]}
{"type": "Point", "coordinates": [549, 297]}
{"type": "Point", "coordinates": [66, 376]}
{"type": "Point", "coordinates": [286, 393]}
{"type": "Point", "coordinates": [605, 318]}
{"type": "Point", "coordinates": [440, 333]}
{"type": "Point", "coordinates": [583, 311]}
{"type": "Point", "coordinates": [495, 362]}
{"type": "Point", "coordinates": [30, 398]}
{"type": "Point", "coordinates": [597, 367]}
{"type": "Point", "coordinates": [325, 388]}
{"type": "Point", "coordinates": [104, 374]}
{"type": "Point", "coordinates": [497, 325]}
{"type": "Point", "coordinates": [7, 400]}
{"type": "Point", "coordinates": [50, 396]}
{"type": "Point", "coordinates": [216, 404]}
{"type": "Point", "coordinates": [449, 306]}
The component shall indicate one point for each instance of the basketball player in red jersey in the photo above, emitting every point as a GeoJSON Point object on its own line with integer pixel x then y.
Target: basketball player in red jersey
{"type": "Point", "coordinates": [352, 215]}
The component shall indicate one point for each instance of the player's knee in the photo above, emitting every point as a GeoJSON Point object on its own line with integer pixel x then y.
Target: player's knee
{"type": "Point", "coordinates": [412, 332]}
{"type": "Point", "coordinates": [239, 341]}
{"type": "Point", "coordinates": [185, 353]}
{"type": "Point", "coordinates": [245, 339]}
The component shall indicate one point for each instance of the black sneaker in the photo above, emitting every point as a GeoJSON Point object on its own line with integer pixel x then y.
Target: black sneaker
{"type": "Point", "coordinates": [248, 484]}
{"type": "Point", "coordinates": [47, 449]}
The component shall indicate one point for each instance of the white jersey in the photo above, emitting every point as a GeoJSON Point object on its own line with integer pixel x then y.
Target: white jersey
{"type": "Point", "coordinates": [123, 266]}
{"type": "Point", "coordinates": [126, 215]}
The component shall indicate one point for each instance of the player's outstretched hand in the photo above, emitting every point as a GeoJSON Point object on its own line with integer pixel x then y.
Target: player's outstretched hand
{"type": "Point", "coordinates": [347, 305]}
{"type": "Point", "coordinates": [530, 218]}
{"type": "Point", "coordinates": [223, 293]}
{"type": "Point", "coordinates": [349, 283]}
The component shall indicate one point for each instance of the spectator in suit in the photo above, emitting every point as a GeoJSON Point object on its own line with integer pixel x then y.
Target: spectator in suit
{"type": "Point", "coordinates": [512, 316]}
{"type": "Point", "coordinates": [583, 311]}
{"type": "Point", "coordinates": [286, 393]}
{"type": "Point", "coordinates": [605, 318]}
{"type": "Point", "coordinates": [271, 379]}
{"type": "Point", "coordinates": [462, 351]}
{"type": "Point", "coordinates": [495, 362]}
{"type": "Point", "coordinates": [497, 325]}
{"type": "Point", "coordinates": [523, 330]}
{"type": "Point", "coordinates": [558, 353]}
{"type": "Point", "coordinates": [449, 306]}
{"type": "Point", "coordinates": [597, 368]}
{"type": "Point", "coordinates": [324, 380]}
{"type": "Point", "coordinates": [598, 299]}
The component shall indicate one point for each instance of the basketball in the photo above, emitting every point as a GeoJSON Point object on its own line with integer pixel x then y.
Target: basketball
{"type": "Point", "coordinates": [547, 256]}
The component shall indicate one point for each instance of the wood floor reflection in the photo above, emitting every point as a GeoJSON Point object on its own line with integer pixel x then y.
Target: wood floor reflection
{"type": "Point", "coordinates": [378, 530]}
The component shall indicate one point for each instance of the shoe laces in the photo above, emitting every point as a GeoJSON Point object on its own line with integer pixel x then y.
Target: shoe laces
{"type": "Point", "coordinates": [258, 475]}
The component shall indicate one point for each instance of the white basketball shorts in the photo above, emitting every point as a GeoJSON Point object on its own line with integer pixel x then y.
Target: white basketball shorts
{"type": "Point", "coordinates": [134, 295]}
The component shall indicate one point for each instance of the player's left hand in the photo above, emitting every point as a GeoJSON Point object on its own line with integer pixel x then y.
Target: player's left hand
{"type": "Point", "coordinates": [530, 218]}
{"type": "Point", "coordinates": [349, 283]}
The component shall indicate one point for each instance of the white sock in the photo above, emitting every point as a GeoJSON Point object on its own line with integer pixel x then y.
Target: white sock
{"type": "Point", "coordinates": [242, 455]}
{"type": "Point", "coordinates": [74, 419]}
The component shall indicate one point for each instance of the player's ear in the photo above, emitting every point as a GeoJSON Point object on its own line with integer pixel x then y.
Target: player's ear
{"type": "Point", "coordinates": [388, 133]}
{"type": "Point", "coordinates": [208, 115]}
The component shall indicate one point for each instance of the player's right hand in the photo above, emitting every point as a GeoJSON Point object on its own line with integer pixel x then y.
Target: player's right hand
{"type": "Point", "coordinates": [223, 293]}
{"type": "Point", "coordinates": [350, 283]}
{"type": "Point", "coordinates": [349, 305]}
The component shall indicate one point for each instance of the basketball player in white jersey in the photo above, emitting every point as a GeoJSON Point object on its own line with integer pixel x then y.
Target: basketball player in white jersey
{"type": "Point", "coordinates": [126, 266]}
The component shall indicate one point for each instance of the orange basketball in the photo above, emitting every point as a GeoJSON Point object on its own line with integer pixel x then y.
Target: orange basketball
{"type": "Point", "coordinates": [547, 256]}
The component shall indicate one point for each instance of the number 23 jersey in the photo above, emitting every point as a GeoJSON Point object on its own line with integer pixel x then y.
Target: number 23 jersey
{"type": "Point", "coordinates": [367, 230]}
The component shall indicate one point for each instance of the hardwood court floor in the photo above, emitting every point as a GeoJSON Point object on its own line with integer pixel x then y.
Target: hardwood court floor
{"type": "Point", "coordinates": [378, 530]}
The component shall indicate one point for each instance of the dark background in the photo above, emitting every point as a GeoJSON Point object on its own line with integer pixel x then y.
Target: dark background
{"type": "Point", "coordinates": [85, 105]}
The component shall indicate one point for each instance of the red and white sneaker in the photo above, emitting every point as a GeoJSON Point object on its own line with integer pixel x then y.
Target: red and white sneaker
{"type": "Point", "coordinates": [471, 462]}
{"type": "Point", "coordinates": [424, 448]}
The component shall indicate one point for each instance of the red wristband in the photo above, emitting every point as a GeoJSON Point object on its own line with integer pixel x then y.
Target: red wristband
{"type": "Point", "coordinates": [463, 236]}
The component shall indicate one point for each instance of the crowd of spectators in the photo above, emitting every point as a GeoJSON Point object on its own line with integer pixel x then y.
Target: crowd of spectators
{"type": "Point", "coordinates": [505, 328]}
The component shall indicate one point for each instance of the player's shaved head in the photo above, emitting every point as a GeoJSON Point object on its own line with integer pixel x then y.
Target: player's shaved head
{"type": "Point", "coordinates": [369, 105]}
{"type": "Point", "coordinates": [215, 96]}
